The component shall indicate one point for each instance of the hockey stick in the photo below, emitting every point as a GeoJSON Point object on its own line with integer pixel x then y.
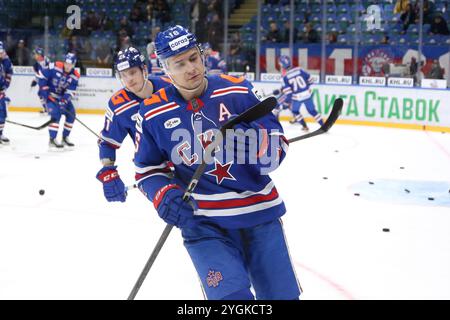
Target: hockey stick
{"type": "Point", "coordinates": [81, 122]}
{"type": "Point", "coordinates": [88, 128]}
{"type": "Point", "coordinates": [259, 110]}
{"type": "Point", "coordinates": [334, 114]}
{"type": "Point", "coordinates": [130, 187]}
{"type": "Point", "coordinates": [42, 126]}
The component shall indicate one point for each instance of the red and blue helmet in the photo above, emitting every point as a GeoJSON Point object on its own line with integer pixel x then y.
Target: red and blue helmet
{"type": "Point", "coordinates": [129, 58]}
{"type": "Point", "coordinates": [70, 58]}
{"type": "Point", "coordinates": [285, 61]}
{"type": "Point", "coordinates": [174, 41]}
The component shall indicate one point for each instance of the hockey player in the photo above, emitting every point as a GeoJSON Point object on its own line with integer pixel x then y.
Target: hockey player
{"type": "Point", "coordinates": [121, 113]}
{"type": "Point", "coordinates": [296, 91]}
{"type": "Point", "coordinates": [58, 84]}
{"type": "Point", "coordinates": [153, 66]}
{"type": "Point", "coordinates": [6, 72]}
{"type": "Point", "coordinates": [231, 225]}
{"type": "Point", "coordinates": [214, 64]}
{"type": "Point", "coordinates": [42, 62]}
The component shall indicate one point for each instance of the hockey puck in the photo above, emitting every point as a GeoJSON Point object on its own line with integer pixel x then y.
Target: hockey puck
{"type": "Point", "coordinates": [370, 182]}
{"type": "Point", "coordinates": [325, 178]}
{"type": "Point", "coordinates": [407, 191]}
{"type": "Point", "coordinates": [41, 192]}
{"type": "Point", "coordinates": [356, 194]}
{"type": "Point", "coordinates": [36, 157]}
{"type": "Point", "coordinates": [402, 168]}
{"type": "Point", "coordinates": [336, 150]}
{"type": "Point", "coordinates": [386, 230]}
{"type": "Point", "coordinates": [430, 198]}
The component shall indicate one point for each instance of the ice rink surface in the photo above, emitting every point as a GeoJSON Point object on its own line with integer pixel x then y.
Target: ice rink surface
{"type": "Point", "coordinates": [341, 190]}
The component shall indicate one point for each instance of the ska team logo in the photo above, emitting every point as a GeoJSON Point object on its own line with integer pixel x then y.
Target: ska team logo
{"type": "Point", "coordinates": [374, 61]}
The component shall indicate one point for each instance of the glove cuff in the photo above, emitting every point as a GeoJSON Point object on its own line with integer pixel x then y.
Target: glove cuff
{"type": "Point", "coordinates": [108, 174]}
{"type": "Point", "coordinates": [159, 195]}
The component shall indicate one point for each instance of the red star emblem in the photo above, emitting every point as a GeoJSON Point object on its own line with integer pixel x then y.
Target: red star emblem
{"type": "Point", "coordinates": [221, 171]}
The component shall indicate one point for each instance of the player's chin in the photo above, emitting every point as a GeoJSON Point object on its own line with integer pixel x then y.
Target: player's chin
{"type": "Point", "coordinates": [195, 81]}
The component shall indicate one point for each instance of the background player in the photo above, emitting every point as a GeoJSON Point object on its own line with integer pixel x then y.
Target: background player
{"type": "Point", "coordinates": [214, 63]}
{"type": "Point", "coordinates": [58, 84]}
{"type": "Point", "coordinates": [41, 62]}
{"type": "Point", "coordinates": [120, 117]}
{"type": "Point", "coordinates": [153, 66]}
{"type": "Point", "coordinates": [296, 90]}
{"type": "Point", "coordinates": [6, 72]}
{"type": "Point", "coordinates": [231, 226]}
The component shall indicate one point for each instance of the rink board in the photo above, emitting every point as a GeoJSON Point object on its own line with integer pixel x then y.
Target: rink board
{"type": "Point", "coordinates": [409, 108]}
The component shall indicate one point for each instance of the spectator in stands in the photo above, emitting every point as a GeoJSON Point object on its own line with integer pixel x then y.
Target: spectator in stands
{"type": "Point", "coordinates": [124, 43]}
{"type": "Point", "coordinates": [149, 8]}
{"type": "Point", "coordinates": [287, 29]}
{"type": "Point", "coordinates": [436, 71]}
{"type": "Point", "coordinates": [438, 26]}
{"type": "Point", "coordinates": [136, 15]}
{"type": "Point", "coordinates": [91, 23]}
{"type": "Point", "coordinates": [104, 22]}
{"type": "Point", "coordinates": [126, 27]}
{"type": "Point", "coordinates": [103, 54]}
{"type": "Point", "coordinates": [199, 11]}
{"type": "Point", "coordinates": [401, 6]}
{"type": "Point", "coordinates": [237, 55]}
{"type": "Point", "coordinates": [332, 37]}
{"type": "Point", "coordinates": [22, 54]}
{"type": "Point", "coordinates": [429, 10]}
{"type": "Point", "coordinates": [309, 35]}
{"type": "Point", "coordinates": [215, 32]}
{"type": "Point", "coordinates": [408, 17]}
{"type": "Point", "coordinates": [75, 45]}
{"type": "Point", "coordinates": [216, 6]}
{"type": "Point", "coordinates": [162, 11]}
{"type": "Point", "coordinates": [274, 34]}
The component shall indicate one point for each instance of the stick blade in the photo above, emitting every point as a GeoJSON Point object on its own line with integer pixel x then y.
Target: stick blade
{"type": "Point", "coordinates": [254, 113]}
{"type": "Point", "coordinates": [335, 112]}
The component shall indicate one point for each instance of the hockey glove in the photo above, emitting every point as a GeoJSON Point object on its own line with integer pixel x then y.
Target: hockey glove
{"type": "Point", "coordinates": [113, 187]}
{"type": "Point", "coordinates": [34, 83]}
{"type": "Point", "coordinates": [168, 201]}
{"type": "Point", "coordinates": [62, 104]}
{"type": "Point", "coordinates": [246, 140]}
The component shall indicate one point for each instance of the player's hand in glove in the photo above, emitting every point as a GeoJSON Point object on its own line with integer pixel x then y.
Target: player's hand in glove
{"type": "Point", "coordinates": [113, 187]}
{"type": "Point", "coordinates": [62, 104]}
{"type": "Point", "coordinates": [246, 140]}
{"type": "Point", "coordinates": [168, 201]}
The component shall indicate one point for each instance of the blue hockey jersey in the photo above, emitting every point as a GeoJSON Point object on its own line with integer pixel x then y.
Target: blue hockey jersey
{"type": "Point", "coordinates": [38, 66]}
{"type": "Point", "coordinates": [229, 193]}
{"type": "Point", "coordinates": [120, 118]}
{"type": "Point", "coordinates": [6, 71]}
{"type": "Point", "coordinates": [296, 86]}
{"type": "Point", "coordinates": [56, 84]}
{"type": "Point", "coordinates": [214, 64]}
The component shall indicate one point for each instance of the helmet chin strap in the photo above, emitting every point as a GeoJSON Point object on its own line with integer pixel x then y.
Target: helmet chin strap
{"type": "Point", "coordinates": [145, 75]}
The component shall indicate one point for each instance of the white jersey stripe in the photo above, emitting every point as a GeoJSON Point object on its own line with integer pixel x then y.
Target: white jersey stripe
{"type": "Point", "coordinates": [111, 141]}
{"type": "Point", "coordinates": [238, 211]}
{"type": "Point", "coordinates": [168, 175]}
{"type": "Point", "coordinates": [233, 195]}
{"type": "Point", "coordinates": [149, 168]}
